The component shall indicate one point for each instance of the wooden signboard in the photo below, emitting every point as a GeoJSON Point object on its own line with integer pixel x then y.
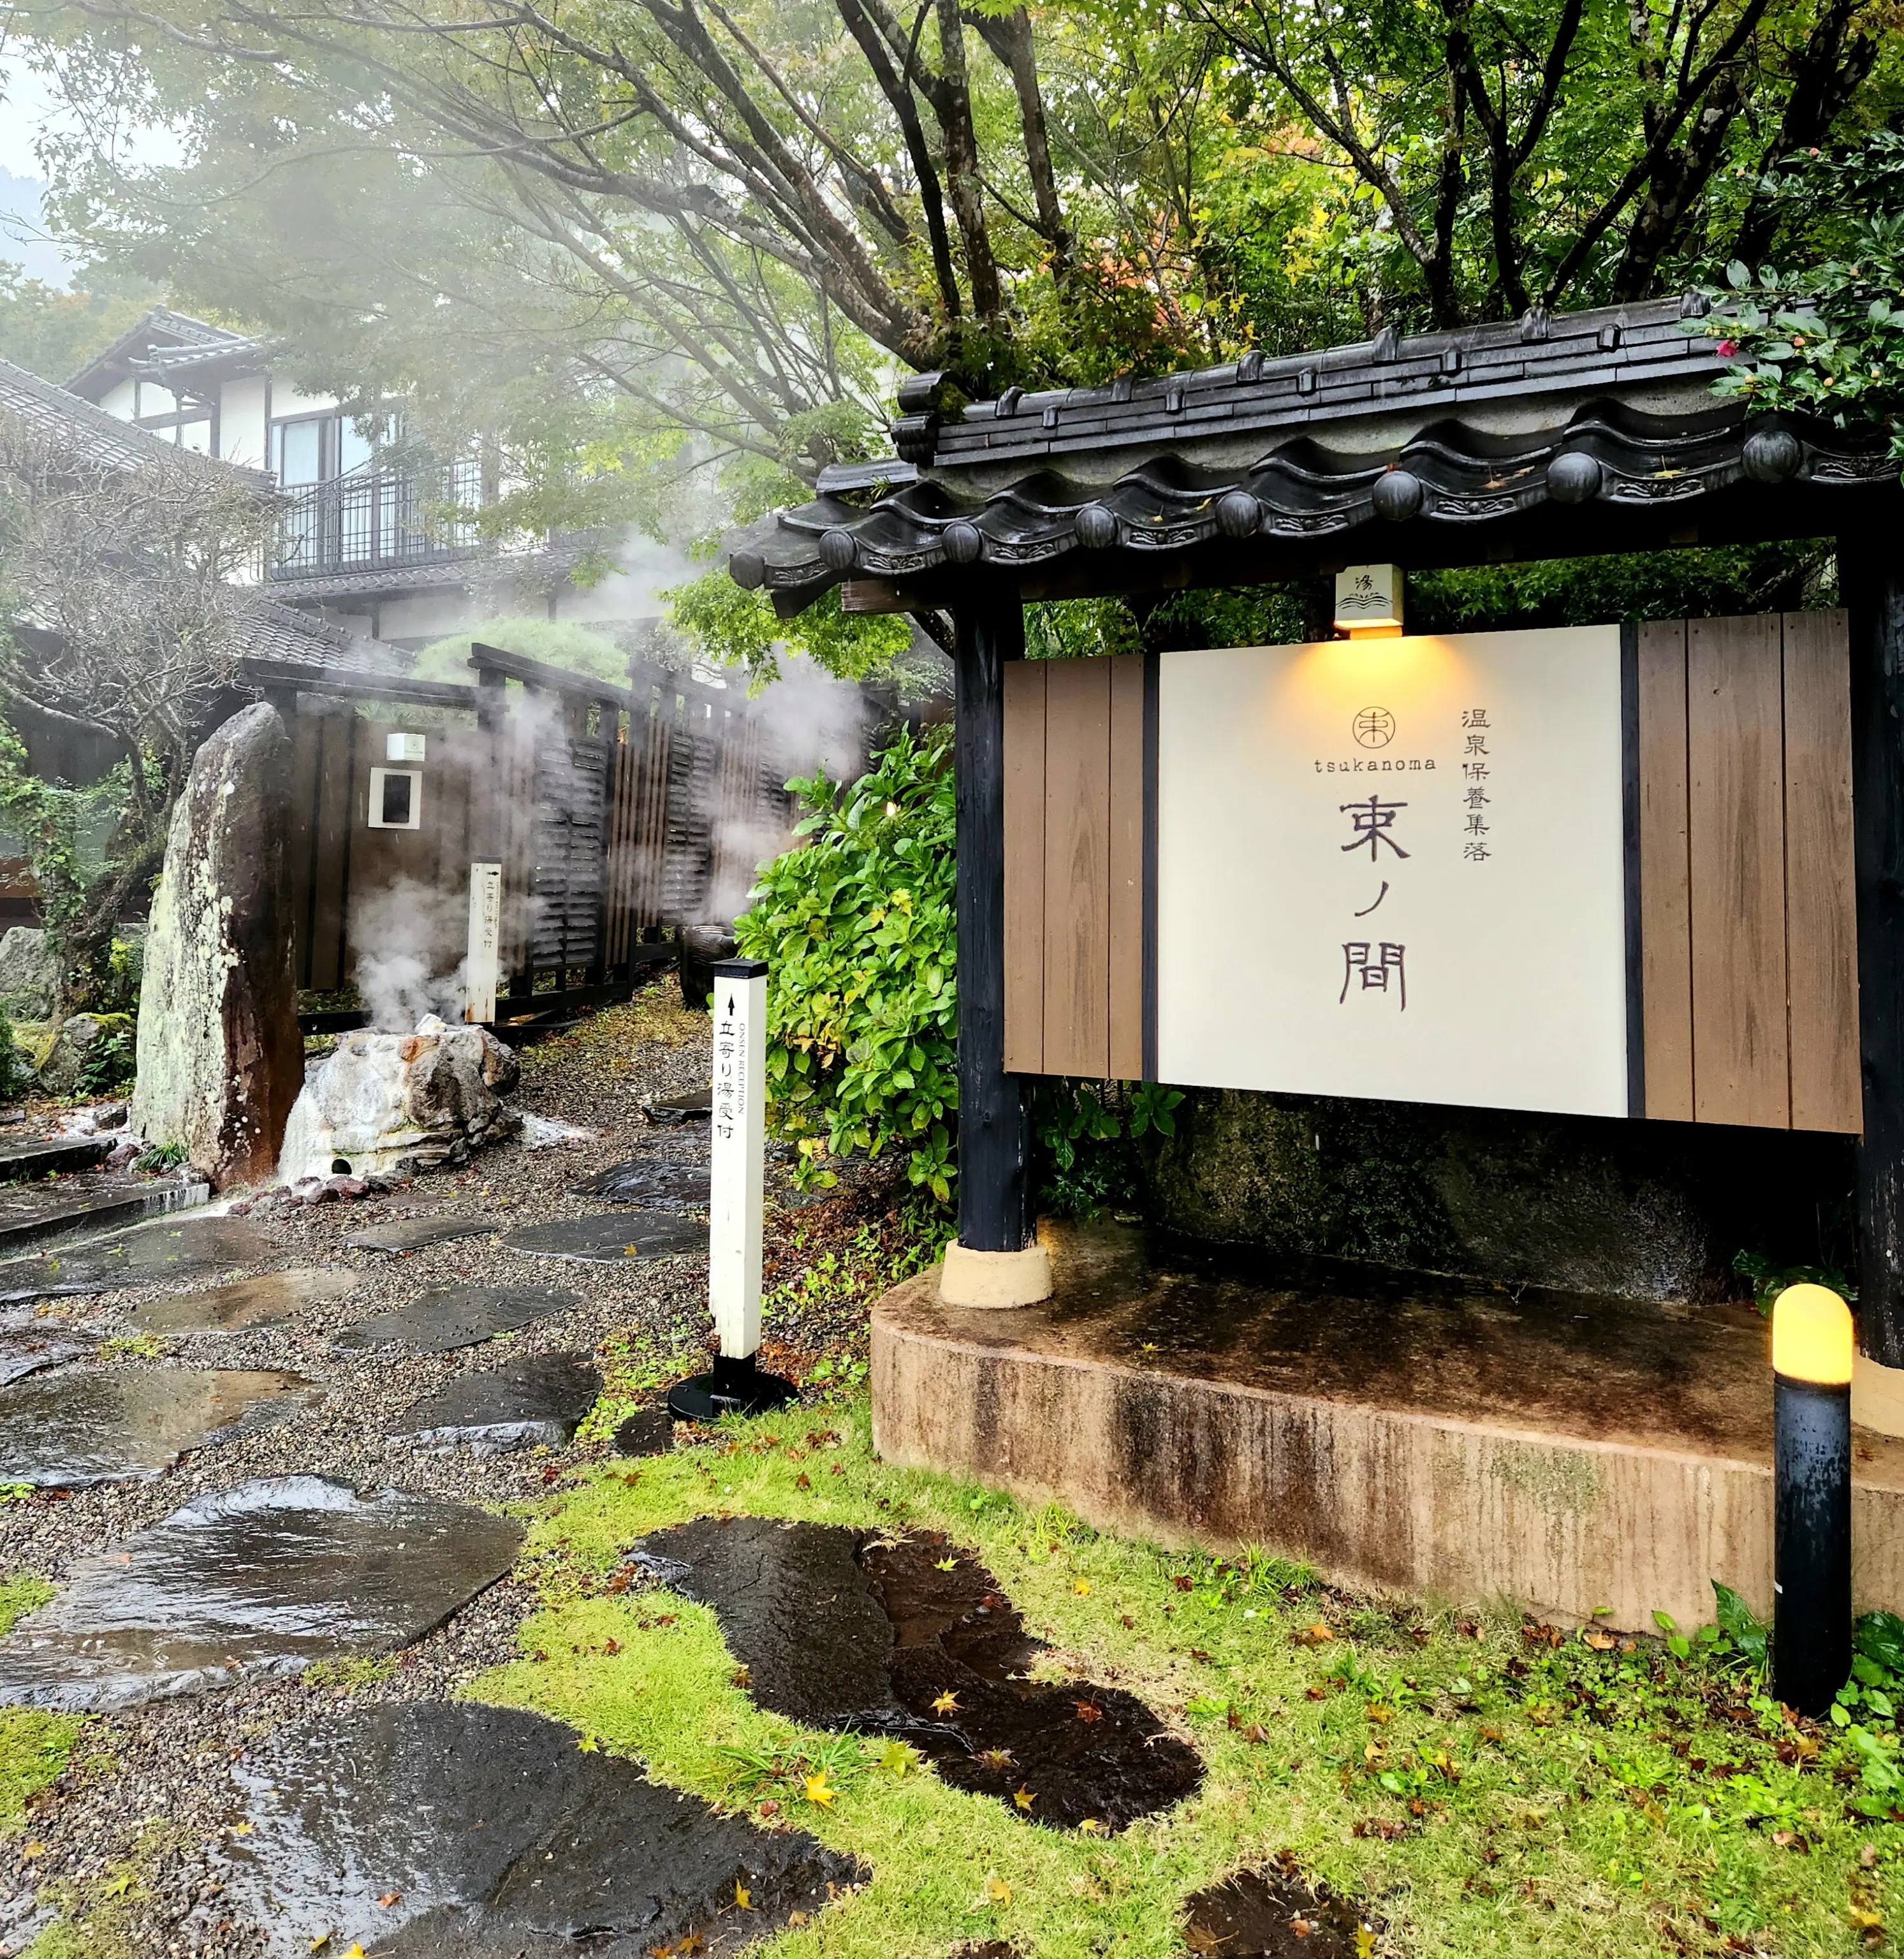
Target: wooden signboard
{"type": "Point", "coordinates": [1600, 870]}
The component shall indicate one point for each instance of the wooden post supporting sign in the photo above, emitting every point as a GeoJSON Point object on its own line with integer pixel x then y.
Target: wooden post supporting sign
{"type": "Point", "coordinates": [739, 1146]}
{"type": "Point", "coordinates": [1872, 580]}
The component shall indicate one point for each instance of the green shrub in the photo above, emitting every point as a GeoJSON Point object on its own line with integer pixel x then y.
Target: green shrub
{"type": "Point", "coordinates": [856, 924]}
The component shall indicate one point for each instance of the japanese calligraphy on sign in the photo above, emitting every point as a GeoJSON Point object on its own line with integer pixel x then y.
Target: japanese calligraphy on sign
{"type": "Point", "coordinates": [1447, 925]}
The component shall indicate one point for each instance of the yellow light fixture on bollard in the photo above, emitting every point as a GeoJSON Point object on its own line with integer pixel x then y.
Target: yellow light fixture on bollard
{"type": "Point", "coordinates": [1812, 1349]}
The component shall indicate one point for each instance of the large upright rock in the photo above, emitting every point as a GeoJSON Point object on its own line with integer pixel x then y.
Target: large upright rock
{"type": "Point", "coordinates": [221, 1059]}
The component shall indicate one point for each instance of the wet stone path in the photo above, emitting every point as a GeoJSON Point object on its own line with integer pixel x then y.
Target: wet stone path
{"type": "Point", "coordinates": [245, 1447]}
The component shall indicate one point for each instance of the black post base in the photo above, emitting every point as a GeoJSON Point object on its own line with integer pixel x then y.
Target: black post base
{"type": "Point", "coordinates": [734, 1387]}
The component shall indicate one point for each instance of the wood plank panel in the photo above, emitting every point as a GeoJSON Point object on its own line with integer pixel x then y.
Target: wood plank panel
{"type": "Point", "coordinates": [331, 860]}
{"type": "Point", "coordinates": [1821, 923]}
{"type": "Point", "coordinates": [1077, 841]}
{"type": "Point", "coordinates": [1735, 852]}
{"type": "Point", "coordinates": [300, 844]}
{"type": "Point", "coordinates": [1126, 921]}
{"type": "Point", "coordinates": [1024, 822]}
{"type": "Point", "coordinates": [1665, 895]}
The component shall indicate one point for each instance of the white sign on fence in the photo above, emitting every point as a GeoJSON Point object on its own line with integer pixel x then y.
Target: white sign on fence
{"type": "Point", "coordinates": [1395, 867]}
{"type": "Point", "coordinates": [738, 1153]}
{"type": "Point", "coordinates": [481, 972]}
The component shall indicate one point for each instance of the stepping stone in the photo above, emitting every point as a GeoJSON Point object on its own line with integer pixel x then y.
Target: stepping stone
{"type": "Point", "coordinates": [610, 1238]}
{"type": "Point", "coordinates": [259, 1302]}
{"type": "Point", "coordinates": [672, 1109]}
{"type": "Point", "coordinates": [71, 1434]}
{"type": "Point", "coordinates": [839, 1629]}
{"type": "Point", "coordinates": [46, 1343]}
{"type": "Point", "coordinates": [196, 1249]}
{"type": "Point", "coordinates": [540, 1399]}
{"type": "Point", "coordinates": [644, 1181]}
{"type": "Point", "coordinates": [37, 1213]}
{"type": "Point", "coordinates": [648, 1431]}
{"type": "Point", "coordinates": [453, 1316]}
{"type": "Point", "coordinates": [20, 1163]}
{"type": "Point", "coordinates": [1255, 1912]}
{"type": "Point", "coordinates": [250, 1583]}
{"type": "Point", "coordinates": [412, 1234]}
{"type": "Point", "coordinates": [493, 1834]}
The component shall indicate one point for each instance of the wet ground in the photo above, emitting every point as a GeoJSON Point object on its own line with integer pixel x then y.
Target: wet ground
{"type": "Point", "coordinates": [838, 1628]}
{"type": "Point", "coordinates": [212, 1346]}
{"type": "Point", "coordinates": [1273, 1913]}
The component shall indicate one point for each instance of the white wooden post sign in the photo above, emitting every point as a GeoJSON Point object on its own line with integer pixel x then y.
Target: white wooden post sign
{"type": "Point", "coordinates": [481, 971]}
{"type": "Point", "coordinates": [737, 1153]}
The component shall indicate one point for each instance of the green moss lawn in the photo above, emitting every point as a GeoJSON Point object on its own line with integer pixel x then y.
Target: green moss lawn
{"type": "Point", "coordinates": [1485, 1786]}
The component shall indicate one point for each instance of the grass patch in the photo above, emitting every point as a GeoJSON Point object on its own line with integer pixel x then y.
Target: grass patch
{"type": "Point", "coordinates": [21, 1595]}
{"type": "Point", "coordinates": [35, 1747]}
{"type": "Point", "coordinates": [1487, 1786]}
{"type": "Point", "coordinates": [351, 1673]}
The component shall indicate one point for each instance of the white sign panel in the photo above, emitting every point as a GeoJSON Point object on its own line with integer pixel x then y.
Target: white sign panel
{"type": "Point", "coordinates": [738, 1153]}
{"type": "Point", "coordinates": [480, 972]}
{"type": "Point", "coordinates": [1396, 868]}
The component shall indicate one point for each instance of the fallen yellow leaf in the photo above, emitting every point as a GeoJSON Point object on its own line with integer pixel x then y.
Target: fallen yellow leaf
{"type": "Point", "coordinates": [996, 1890]}
{"type": "Point", "coordinates": [947, 1704]}
{"type": "Point", "coordinates": [1083, 1588]}
{"type": "Point", "coordinates": [741, 1896]}
{"type": "Point", "coordinates": [33, 1849]}
{"type": "Point", "coordinates": [243, 1829]}
{"type": "Point", "coordinates": [1024, 1797]}
{"type": "Point", "coordinates": [322, 1939]}
{"type": "Point", "coordinates": [947, 1564]}
{"type": "Point", "coordinates": [589, 1745]}
{"type": "Point", "coordinates": [818, 1792]}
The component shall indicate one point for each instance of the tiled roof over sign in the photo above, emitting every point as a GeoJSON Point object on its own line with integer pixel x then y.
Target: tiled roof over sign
{"type": "Point", "coordinates": [1546, 437]}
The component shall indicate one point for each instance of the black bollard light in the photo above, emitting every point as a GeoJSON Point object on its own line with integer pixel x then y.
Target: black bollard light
{"type": "Point", "coordinates": [1811, 1363]}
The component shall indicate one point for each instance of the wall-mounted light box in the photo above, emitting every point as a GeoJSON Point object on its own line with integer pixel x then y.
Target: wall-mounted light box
{"type": "Point", "coordinates": [1368, 602]}
{"type": "Point", "coordinates": [396, 798]}
{"type": "Point", "coordinates": [405, 748]}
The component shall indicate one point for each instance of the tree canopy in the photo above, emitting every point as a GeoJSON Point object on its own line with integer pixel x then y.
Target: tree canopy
{"type": "Point", "coordinates": [637, 242]}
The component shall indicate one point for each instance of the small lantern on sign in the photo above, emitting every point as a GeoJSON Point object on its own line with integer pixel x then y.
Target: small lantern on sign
{"type": "Point", "coordinates": [1368, 601]}
{"type": "Point", "coordinates": [736, 1386]}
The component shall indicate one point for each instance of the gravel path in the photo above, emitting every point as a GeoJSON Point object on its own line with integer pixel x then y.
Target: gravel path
{"type": "Point", "coordinates": [152, 1782]}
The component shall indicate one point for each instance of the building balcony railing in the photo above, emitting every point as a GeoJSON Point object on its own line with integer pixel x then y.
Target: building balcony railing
{"type": "Point", "coordinates": [374, 519]}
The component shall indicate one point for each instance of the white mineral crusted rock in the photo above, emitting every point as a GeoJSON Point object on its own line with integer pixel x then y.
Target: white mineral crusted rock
{"type": "Point", "coordinates": [392, 1103]}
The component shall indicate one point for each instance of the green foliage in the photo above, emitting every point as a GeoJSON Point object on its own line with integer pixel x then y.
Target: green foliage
{"type": "Point", "coordinates": [163, 1156]}
{"type": "Point", "coordinates": [857, 926]}
{"type": "Point", "coordinates": [54, 334]}
{"type": "Point", "coordinates": [741, 629]}
{"type": "Point", "coordinates": [15, 1076]}
{"type": "Point", "coordinates": [1770, 1279]}
{"type": "Point", "coordinates": [558, 643]}
{"type": "Point", "coordinates": [1825, 338]}
{"type": "Point", "coordinates": [1087, 1133]}
{"type": "Point", "coordinates": [112, 1061]}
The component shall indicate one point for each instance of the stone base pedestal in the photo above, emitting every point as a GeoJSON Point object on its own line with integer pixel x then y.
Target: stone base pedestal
{"type": "Point", "coordinates": [994, 1279]}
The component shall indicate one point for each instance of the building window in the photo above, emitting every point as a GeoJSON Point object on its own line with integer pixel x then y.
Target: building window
{"type": "Point", "coordinates": [313, 449]}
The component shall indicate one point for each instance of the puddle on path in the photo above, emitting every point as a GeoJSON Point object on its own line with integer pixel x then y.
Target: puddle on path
{"type": "Point", "coordinates": [494, 1835]}
{"type": "Point", "coordinates": [256, 1302]}
{"type": "Point", "coordinates": [539, 1399]}
{"type": "Point", "coordinates": [88, 1428]}
{"type": "Point", "coordinates": [453, 1316]}
{"type": "Point", "coordinates": [612, 1237]}
{"type": "Point", "coordinates": [414, 1234]}
{"type": "Point", "coordinates": [256, 1581]}
{"type": "Point", "coordinates": [652, 1182]}
{"type": "Point", "coordinates": [840, 1629]}
{"type": "Point", "coordinates": [199, 1247]}
{"type": "Point", "coordinates": [46, 1343]}
{"type": "Point", "coordinates": [690, 1107]}
{"type": "Point", "coordinates": [1274, 1914]}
